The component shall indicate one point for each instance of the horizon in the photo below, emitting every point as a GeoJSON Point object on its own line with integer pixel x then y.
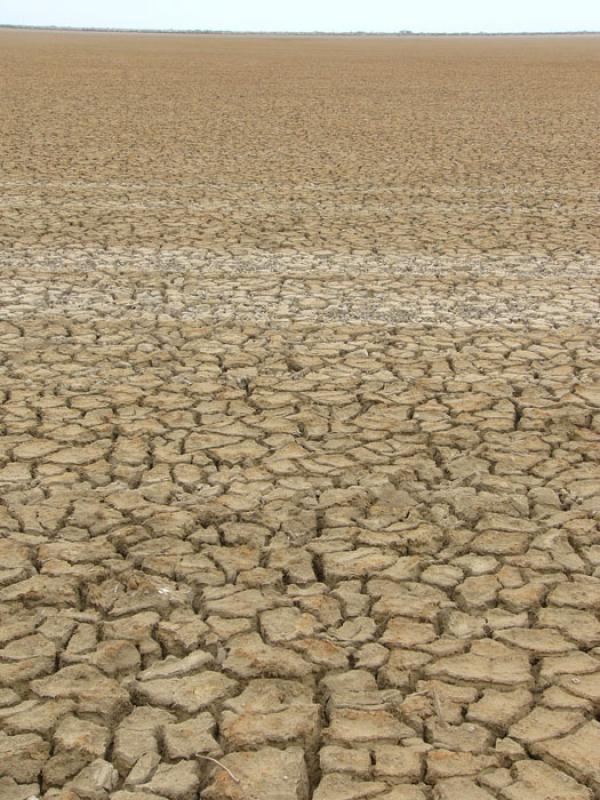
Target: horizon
{"type": "Point", "coordinates": [307, 32]}
{"type": "Point", "coordinates": [339, 17]}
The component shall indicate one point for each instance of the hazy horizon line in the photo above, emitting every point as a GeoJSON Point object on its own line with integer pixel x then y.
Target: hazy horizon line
{"type": "Point", "coordinates": [227, 32]}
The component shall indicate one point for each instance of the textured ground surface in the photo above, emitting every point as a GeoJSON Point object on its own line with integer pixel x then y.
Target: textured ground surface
{"type": "Point", "coordinates": [300, 408]}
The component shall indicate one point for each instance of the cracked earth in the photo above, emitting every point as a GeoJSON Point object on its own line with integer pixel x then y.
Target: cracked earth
{"type": "Point", "coordinates": [301, 477]}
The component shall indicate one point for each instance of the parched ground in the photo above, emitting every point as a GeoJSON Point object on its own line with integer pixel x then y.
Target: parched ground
{"type": "Point", "coordinates": [300, 416]}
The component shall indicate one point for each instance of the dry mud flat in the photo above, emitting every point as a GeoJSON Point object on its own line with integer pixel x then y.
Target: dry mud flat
{"type": "Point", "coordinates": [331, 518]}
{"type": "Point", "coordinates": [348, 559]}
{"type": "Point", "coordinates": [388, 146]}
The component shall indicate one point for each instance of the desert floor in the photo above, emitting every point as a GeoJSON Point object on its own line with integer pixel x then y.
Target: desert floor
{"type": "Point", "coordinates": [300, 418]}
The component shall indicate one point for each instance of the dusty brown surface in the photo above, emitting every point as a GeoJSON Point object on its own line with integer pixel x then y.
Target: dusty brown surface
{"type": "Point", "coordinates": [300, 408]}
{"type": "Point", "coordinates": [393, 146]}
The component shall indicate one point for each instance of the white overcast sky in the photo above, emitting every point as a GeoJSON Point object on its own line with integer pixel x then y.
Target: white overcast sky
{"type": "Point", "coordinates": [307, 15]}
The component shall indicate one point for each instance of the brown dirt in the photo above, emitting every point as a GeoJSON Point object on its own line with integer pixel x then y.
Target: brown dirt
{"type": "Point", "coordinates": [394, 146]}
{"type": "Point", "coordinates": [300, 416]}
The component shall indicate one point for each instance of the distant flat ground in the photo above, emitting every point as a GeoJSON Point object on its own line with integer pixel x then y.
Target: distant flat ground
{"type": "Point", "coordinates": [299, 418]}
{"type": "Point", "coordinates": [350, 145]}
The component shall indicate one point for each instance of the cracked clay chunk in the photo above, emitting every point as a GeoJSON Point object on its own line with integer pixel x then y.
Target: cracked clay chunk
{"type": "Point", "coordinates": [268, 774]}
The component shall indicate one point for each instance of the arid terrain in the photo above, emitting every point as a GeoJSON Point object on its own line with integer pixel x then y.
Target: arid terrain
{"type": "Point", "coordinates": [300, 418]}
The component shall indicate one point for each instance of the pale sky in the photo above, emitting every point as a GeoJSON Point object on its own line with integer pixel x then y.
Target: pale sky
{"type": "Point", "coordinates": [307, 15]}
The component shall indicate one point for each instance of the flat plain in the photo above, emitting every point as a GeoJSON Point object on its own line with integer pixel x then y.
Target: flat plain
{"type": "Point", "coordinates": [300, 417]}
